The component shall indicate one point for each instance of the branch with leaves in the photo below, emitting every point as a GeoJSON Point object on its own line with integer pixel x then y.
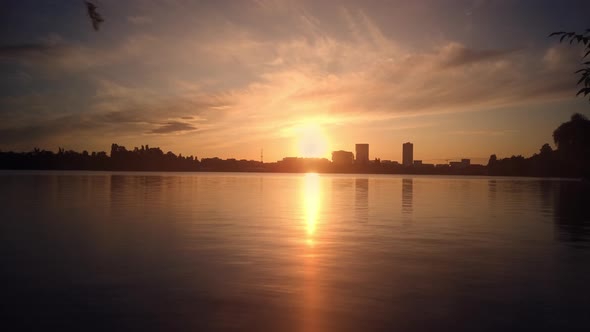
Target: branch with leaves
{"type": "Point", "coordinates": [584, 39]}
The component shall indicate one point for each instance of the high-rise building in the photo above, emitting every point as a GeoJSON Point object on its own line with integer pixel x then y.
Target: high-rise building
{"type": "Point", "coordinates": [408, 154]}
{"type": "Point", "coordinates": [342, 157]}
{"type": "Point", "coordinates": [362, 153]}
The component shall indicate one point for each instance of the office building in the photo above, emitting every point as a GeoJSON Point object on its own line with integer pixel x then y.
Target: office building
{"type": "Point", "coordinates": [362, 153]}
{"type": "Point", "coordinates": [464, 163]}
{"type": "Point", "coordinates": [342, 157]}
{"type": "Point", "coordinates": [408, 154]}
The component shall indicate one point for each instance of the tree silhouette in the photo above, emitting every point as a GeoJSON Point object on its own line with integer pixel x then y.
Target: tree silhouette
{"type": "Point", "coordinates": [573, 142]}
{"type": "Point", "coordinates": [546, 150]}
{"type": "Point", "coordinates": [573, 135]}
{"type": "Point", "coordinates": [579, 38]}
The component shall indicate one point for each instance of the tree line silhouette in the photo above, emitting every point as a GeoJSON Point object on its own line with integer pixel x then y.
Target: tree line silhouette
{"type": "Point", "coordinates": [142, 158]}
{"type": "Point", "coordinates": [570, 159]}
{"type": "Point", "coordinates": [120, 159]}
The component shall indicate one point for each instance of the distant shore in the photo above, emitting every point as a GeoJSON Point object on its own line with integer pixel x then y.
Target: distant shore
{"type": "Point", "coordinates": [547, 164]}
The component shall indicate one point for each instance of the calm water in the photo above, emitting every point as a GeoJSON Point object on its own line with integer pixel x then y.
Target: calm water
{"type": "Point", "coordinates": [196, 252]}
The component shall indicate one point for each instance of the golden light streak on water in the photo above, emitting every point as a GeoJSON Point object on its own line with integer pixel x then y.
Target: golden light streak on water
{"type": "Point", "coordinates": [312, 293]}
{"type": "Point", "coordinates": [312, 202]}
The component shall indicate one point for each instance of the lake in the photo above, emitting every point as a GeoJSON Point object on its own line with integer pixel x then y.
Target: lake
{"type": "Point", "coordinates": [292, 252]}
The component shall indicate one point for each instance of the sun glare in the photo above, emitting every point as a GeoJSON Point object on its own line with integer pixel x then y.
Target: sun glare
{"type": "Point", "coordinates": [312, 141]}
{"type": "Point", "coordinates": [311, 199]}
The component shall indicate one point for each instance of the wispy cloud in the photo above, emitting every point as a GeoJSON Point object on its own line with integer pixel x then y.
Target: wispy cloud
{"type": "Point", "coordinates": [455, 54]}
{"type": "Point", "coordinates": [483, 132]}
{"type": "Point", "coordinates": [140, 20]}
{"type": "Point", "coordinates": [17, 51]}
{"type": "Point", "coordinates": [173, 127]}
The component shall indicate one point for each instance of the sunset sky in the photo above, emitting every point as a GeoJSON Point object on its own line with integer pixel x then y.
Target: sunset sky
{"type": "Point", "coordinates": [227, 78]}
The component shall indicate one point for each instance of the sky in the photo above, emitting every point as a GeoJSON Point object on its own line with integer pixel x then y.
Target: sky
{"type": "Point", "coordinates": [459, 79]}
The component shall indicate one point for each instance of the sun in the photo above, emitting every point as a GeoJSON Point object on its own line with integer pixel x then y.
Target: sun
{"type": "Point", "coordinates": [312, 141]}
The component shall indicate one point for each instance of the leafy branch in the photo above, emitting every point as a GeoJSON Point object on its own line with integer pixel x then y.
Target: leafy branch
{"type": "Point", "coordinates": [579, 38]}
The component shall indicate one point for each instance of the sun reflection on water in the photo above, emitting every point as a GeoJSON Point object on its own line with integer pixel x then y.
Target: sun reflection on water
{"type": "Point", "coordinates": [312, 201]}
{"type": "Point", "coordinates": [312, 293]}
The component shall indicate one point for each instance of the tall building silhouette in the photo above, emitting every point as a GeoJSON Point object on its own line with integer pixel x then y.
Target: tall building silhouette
{"type": "Point", "coordinates": [408, 154]}
{"type": "Point", "coordinates": [362, 153]}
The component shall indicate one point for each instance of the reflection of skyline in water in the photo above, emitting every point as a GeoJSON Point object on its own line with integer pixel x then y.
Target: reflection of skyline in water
{"type": "Point", "coordinates": [492, 193]}
{"type": "Point", "coordinates": [567, 202]}
{"type": "Point", "coordinates": [219, 253]}
{"type": "Point", "coordinates": [361, 200]}
{"type": "Point", "coordinates": [572, 212]}
{"type": "Point", "coordinates": [492, 189]}
{"type": "Point", "coordinates": [407, 195]}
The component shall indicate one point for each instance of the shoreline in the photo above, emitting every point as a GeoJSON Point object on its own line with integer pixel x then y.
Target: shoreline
{"type": "Point", "coordinates": [296, 172]}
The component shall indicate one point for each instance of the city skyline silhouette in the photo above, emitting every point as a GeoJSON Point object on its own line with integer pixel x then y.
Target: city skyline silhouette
{"type": "Point", "coordinates": [570, 159]}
